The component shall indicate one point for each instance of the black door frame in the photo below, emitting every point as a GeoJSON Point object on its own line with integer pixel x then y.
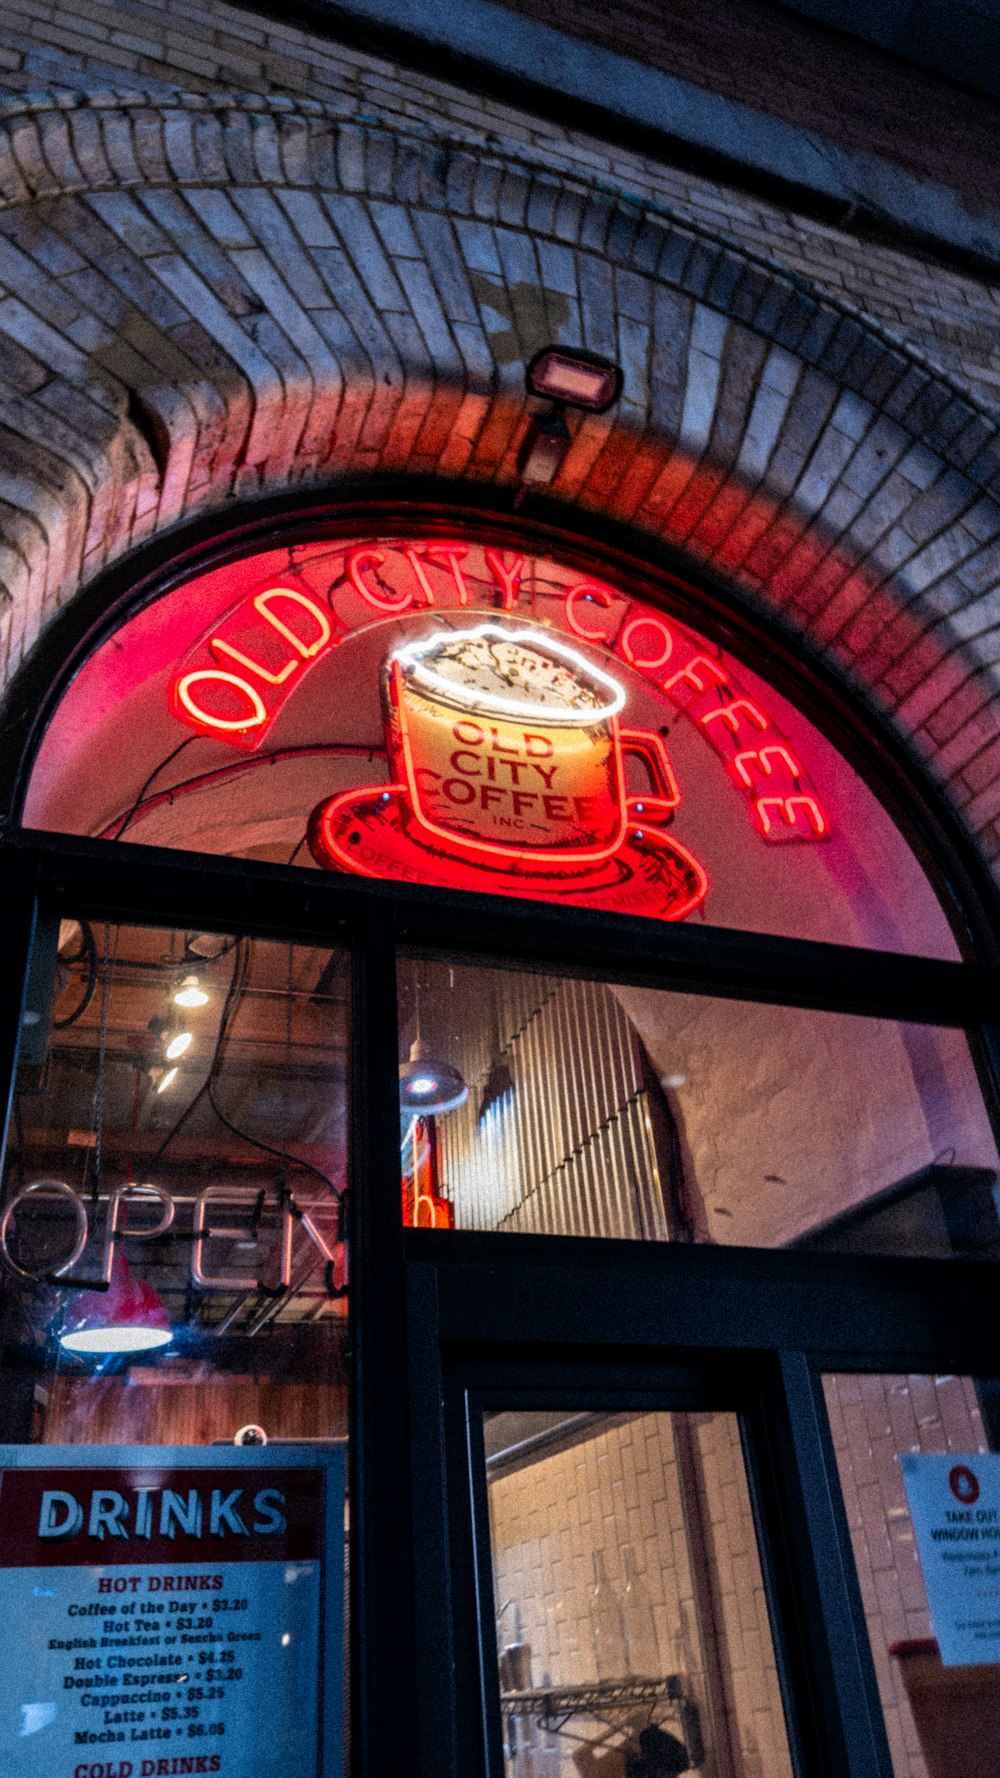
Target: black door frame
{"type": "Point", "coordinates": [530, 1324]}
{"type": "Point", "coordinates": [426, 1303]}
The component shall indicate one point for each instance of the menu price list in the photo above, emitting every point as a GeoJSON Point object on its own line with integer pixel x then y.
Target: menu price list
{"type": "Point", "coordinates": [197, 1669]}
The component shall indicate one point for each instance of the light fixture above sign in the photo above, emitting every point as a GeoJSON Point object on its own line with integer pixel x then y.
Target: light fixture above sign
{"type": "Point", "coordinates": [575, 378]}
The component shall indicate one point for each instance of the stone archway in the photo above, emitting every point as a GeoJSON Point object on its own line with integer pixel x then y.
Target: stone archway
{"type": "Point", "coordinates": [215, 300]}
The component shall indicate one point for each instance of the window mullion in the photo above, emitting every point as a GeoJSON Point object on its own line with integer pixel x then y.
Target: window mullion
{"type": "Point", "coordinates": [809, 1477]}
{"type": "Point", "coordinates": [382, 1557]}
{"type": "Point", "coordinates": [19, 906]}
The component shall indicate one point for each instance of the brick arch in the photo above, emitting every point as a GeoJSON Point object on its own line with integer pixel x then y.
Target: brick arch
{"type": "Point", "coordinates": [215, 298]}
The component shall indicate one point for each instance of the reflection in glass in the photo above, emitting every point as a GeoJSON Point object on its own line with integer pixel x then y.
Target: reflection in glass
{"type": "Point", "coordinates": [595, 1109]}
{"type": "Point", "coordinates": [632, 1628]}
{"type": "Point", "coordinates": [172, 1230]}
{"type": "Point", "coordinates": [173, 1190]}
{"type": "Point", "coordinates": [940, 1719]}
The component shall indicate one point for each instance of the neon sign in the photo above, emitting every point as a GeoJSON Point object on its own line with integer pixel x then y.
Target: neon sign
{"type": "Point", "coordinates": [423, 1208]}
{"type": "Point", "coordinates": [236, 680]}
{"type": "Point", "coordinates": [273, 636]}
{"type": "Point", "coordinates": [509, 759]}
{"type": "Point", "coordinates": [221, 1213]}
{"type": "Point", "coordinates": [505, 685]}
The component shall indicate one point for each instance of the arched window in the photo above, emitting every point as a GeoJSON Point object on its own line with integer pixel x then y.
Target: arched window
{"type": "Point", "coordinates": [383, 885]}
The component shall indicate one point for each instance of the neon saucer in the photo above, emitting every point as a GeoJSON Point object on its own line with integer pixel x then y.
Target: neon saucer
{"type": "Point", "coordinates": [365, 833]}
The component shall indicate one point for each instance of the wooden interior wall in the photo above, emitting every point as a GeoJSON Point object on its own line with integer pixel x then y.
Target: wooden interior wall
{"type": "Point", "coordinates": [120, 1411]}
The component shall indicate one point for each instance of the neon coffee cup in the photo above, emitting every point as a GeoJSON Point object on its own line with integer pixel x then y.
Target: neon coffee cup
{"type": "Point", "coordinates": [508, 744]}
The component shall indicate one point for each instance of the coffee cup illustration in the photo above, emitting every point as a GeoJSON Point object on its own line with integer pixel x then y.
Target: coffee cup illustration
{"type": "Point", "coordinates": [507, 768]}
{"type": "Point", "coordinates": [510, 748]}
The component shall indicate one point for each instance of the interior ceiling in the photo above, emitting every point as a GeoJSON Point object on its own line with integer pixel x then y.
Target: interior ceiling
{"type": "Point", "coordinates": [267, 1064]}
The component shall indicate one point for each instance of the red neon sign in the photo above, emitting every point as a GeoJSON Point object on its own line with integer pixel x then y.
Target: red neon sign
{"type": "Point", "coordinates": [423, 1207]}
{"type": "Point", "coordinates": [235, 681]}
{"type": "Point", "coordinates": [273, 636]}
{"type": "Point", "coordinates": [591, 595]}
{"type": "Point", "coordinates": [509, 761]}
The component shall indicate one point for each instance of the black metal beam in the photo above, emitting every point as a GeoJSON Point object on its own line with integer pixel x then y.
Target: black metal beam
{"type": "Point", "coordinates": [531, 1292]}
{"type": "Point", "coordinates": [90, 877]}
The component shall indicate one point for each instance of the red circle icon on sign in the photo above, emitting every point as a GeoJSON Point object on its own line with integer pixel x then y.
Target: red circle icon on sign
{"type": "Point", "coordinates": [964, 1484]}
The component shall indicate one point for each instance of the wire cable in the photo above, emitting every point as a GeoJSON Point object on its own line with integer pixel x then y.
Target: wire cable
{"type": "Point", "coordinates": [90, 953]}
{"type": "Point", "coordinates": [154, 774]}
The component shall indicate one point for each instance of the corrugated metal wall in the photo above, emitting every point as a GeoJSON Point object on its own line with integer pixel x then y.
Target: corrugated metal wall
{"type": "Point", "coordinates": [568, 1149]}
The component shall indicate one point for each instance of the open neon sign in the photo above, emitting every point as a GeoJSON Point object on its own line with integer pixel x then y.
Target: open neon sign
{"type": "Point", "coordinates": [236, 680]}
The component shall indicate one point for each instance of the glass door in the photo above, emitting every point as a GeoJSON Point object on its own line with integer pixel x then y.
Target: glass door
{"type": "Point", "coordinates": [616, 1556]}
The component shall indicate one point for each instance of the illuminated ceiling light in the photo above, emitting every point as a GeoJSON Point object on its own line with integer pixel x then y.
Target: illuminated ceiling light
{"type": "Point", "coordinates": [429, 1085]}
{"type": "Point", "coordinates": [190, 993]}
{"type": "Point", "coordinates": [670, 1082]}
{"type": "Point", "coordinates": [168, 1080]}
{"type": "Point", "coordinates": [179, 1044]}
{"type": "Point", "coordinates": [578, 379]}
{"type": "Point", "coordinates": [128, 1317]}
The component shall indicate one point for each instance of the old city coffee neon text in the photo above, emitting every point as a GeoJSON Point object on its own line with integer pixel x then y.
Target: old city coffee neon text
{"type": "Point", "coordinates": [234, 682]}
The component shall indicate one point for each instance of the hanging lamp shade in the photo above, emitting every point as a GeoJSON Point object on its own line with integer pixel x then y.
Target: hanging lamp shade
{"type": "Point", "coordinates": [429, 1085]}
{"type": "Point", "coordinates": [127, 1317]}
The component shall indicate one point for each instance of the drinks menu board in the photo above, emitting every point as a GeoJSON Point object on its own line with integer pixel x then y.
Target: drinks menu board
{"type": "Point", "coordinates": [171, 1611]}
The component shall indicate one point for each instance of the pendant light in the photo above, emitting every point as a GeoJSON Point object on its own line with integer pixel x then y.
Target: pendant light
{"type": "Point", "coordinates": [427, 1083]}
{"type": "Point", "coordinates": [127, 1317]}
{"type": "Point", "coordinates": [190, 993]}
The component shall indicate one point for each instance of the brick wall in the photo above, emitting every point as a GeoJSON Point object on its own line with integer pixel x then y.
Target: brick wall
{"type": "Point", "coordinates": [205, 46]}
{"type": "Point", "coordinates": [801, 71]}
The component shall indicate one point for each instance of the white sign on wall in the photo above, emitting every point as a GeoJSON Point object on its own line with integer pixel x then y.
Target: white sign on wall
{"type": "Point", "coordinates": [171, 1612]}
{"type": "Point", "coordinates": [955, 1506]}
